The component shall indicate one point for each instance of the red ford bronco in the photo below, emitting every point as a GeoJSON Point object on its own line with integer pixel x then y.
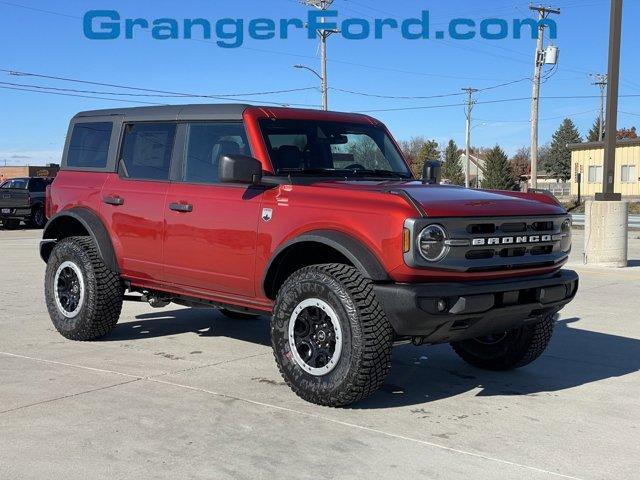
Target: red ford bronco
{"type": "Point", "coordinates": [310, 217]}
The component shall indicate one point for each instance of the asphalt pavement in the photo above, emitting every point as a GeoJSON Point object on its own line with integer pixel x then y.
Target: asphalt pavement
{"type": "Point", "coordinates": [185, 393]}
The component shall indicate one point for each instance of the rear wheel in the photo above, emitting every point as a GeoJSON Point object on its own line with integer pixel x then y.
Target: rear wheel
{"type": "Point", "coordinates": [331, 339]}
{"type": "Point", "coordinates": [38, 219]}
{"type": "Point", "coordinates": [84, 297]}
{"type": "Point", "coordinates": [505, 351]}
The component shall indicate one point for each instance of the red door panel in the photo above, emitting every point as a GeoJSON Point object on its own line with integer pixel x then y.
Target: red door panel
{"type": "Point", "coordinates": [211, 244]}
{"type": "Point", "coordinates": [134, 212]}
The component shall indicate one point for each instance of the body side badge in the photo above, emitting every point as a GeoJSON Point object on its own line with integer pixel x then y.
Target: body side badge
{"type": "Point", "coordinates": [267, 214]}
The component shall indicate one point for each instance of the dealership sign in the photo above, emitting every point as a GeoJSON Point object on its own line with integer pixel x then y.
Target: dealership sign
{"type": "Point", "coordinates": [231, 32]}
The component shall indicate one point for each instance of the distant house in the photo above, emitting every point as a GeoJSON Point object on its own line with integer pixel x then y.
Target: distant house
{"type": "Point", "coordinates": [477, 170]}
{"type": "Point", "coordinates": [547, 182]}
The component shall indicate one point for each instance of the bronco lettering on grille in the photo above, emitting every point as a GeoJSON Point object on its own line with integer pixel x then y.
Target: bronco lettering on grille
{"type": "Point", "coordinates": [478, 242]}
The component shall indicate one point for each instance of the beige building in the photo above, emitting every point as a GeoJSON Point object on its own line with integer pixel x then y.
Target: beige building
{"type": "Point", "coordinates": [7, 172]}
{"type": "Point", "coordinates": [587, 158]}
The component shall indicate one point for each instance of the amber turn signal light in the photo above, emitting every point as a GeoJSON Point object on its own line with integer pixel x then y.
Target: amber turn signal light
{"type": "Point", "coordinates": [406, 240]}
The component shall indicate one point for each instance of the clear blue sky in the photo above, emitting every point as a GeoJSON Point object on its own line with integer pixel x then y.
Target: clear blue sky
{"type": "Point", "coordinates": [33, 126]}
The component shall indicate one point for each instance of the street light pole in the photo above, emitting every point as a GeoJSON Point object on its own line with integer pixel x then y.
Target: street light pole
{"type": "Point", "coordinates": [611, 124]}
{"type": "Point", "coordinates": [324, 34]}
{"type": "Point", "coordinates": [470, 103]}
{"type": "Point", "coordinates": [601, 81]}
{"type": "Point", "coordinates": [543, 13]}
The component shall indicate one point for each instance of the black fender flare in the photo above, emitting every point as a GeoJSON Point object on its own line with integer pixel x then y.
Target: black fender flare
{"type": "Point", "coordinates": [58, 227]}
{"type": "Point", "coordinates": [354, 250]}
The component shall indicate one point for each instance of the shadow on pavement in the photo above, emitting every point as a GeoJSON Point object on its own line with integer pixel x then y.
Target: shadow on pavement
{"type": "Point", "coordinates": [575, 357]}
{"type": "Point", "coordinates": [205, 322]}
{"type": "Point", "coordinates": [423, 374]}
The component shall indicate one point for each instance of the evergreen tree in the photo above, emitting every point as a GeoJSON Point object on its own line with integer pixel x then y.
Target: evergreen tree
{"type": "Point", "coordinates": [429, 152]}
{"type": "Point", "coordinates": [452, 167]}
{"type": "Point", "coordinates": [594, 133]}
{"type": "Point", "coordinates": [498, 172]}
{"type": "Point", "coordinates": [558, 162]}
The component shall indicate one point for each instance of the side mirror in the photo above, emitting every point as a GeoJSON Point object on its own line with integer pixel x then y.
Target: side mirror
{"type": "Point", "coordinates": [431, 172]}
{"type": "Point", "coordinates": [239, 169]}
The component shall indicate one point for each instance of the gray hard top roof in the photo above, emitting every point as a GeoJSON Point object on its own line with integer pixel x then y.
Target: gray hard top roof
{"type": "Point", "coordinates": [211, 111]}
{"type": "Point", "coordinates": [173, 112]}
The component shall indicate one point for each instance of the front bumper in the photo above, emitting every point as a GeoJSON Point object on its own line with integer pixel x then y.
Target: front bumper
{"type": "Point", "coordinates": [445, 312]}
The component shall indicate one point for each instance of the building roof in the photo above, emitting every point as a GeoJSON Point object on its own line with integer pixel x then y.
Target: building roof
{"type": "Point", "coordinates": [598, 145]}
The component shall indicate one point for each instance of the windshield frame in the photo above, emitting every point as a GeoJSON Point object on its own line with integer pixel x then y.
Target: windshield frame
{"type": "Point", "coordinates": [398, 166]}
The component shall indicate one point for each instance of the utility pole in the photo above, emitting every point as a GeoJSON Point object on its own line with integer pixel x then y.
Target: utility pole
{"type": "Point", "coordinates": [600, 80]}
{"type": "Point", "coordinates": [611, 124]}
{"type": "Point", "coordinates": [543, 13]}
{"type": "Point", "coordinates": [470, 104]}
{"type": "Point", "coordinates": [324, 35]}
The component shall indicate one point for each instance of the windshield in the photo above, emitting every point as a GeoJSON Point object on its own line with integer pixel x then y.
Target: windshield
{"type": "Point", "coordinates": [18, 183]}
{"type": "Point", "coordinates": [332, 148]}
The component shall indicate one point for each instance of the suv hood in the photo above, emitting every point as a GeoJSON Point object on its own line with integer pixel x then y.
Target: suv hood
{"type": "Point", "coordinates": [453, 201]}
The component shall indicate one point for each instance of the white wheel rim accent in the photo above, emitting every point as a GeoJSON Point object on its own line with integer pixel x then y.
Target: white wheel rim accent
{"type": "Point", "coordinates": [76, 270]}
{"type": "Point", "coordinates": [333, 316]}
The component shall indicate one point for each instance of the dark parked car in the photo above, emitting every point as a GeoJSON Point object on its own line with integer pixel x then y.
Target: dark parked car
{"type": "Point", "coordinates": [23, 199]}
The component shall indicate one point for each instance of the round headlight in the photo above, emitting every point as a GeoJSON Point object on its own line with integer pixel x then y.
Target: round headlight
{"type": "Point", "coordinates": [565, 243]}
{"type": "Point", "coordinates": [431, 243]}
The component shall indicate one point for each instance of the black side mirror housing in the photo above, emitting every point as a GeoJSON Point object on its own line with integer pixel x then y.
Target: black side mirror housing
{"type": "Point", "coordinates": [432, 172]}
{"type": "Point", "coordinates": [239, 169]}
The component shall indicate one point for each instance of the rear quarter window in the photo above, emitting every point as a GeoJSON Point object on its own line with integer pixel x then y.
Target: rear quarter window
{"type": "Point", "coordinates": [89, 146]}
{"type": "Point", "coordinates": [147, 150]}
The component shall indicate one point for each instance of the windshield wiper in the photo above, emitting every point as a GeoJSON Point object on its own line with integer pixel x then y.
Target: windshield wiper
{"type": "Point", "coordinates": [315, 171]}
{"type": "Point", "coordinates": [343, 172]}
{"type": "Point", "coordinates": [382, 173]}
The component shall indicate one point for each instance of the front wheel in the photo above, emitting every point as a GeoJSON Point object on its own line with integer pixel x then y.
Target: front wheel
{"type": "Point", "coordinates": [11, 224]}
{"type": "Point", "coordinates": [84, 297]}
{"type": "Point", "coordinates": [331, 339]}
{"type": "Point", "coordinates": [506, 351]}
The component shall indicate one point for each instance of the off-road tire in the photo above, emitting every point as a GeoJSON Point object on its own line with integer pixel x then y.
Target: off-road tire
{"type": "Point", "coordinates": [238, 315]}
{"type": "Point", "coordinates": [103, 297]}
{"type": "Point", "coordinates": [38, 218]}
{"type": "Point", "coordinates": [11, 224]}
{"type": "Point", "coordinates": [367, 335]}
{"type": "Point", "coordinates": [518, 348]}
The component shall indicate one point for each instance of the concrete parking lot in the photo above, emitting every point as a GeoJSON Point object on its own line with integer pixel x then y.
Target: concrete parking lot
{"type": "Point", "coordinates": [181, 393]}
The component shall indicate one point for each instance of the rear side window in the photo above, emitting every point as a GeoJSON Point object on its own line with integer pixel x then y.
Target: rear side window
{"type": "Point", "coordinates": [146, 151]}
{"type": "Point", "coordinates": [37, 185]}
{"type": "Point", "coordinates": [206, 144]}
{"type": "Point", "coordinates": [89, 147]}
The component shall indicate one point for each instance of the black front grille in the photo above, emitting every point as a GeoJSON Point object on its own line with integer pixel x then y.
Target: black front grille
{"type": "Point", "coordinates": [493, 244]}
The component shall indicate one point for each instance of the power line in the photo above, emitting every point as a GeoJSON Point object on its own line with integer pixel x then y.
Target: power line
{"type": "Point", "coordinates": [158, 95]}
{"type": "Point", "coordinates": [162, 92]}
{"type": "Point", "coordinates": [486, 102]}
{"type": "Point", "coordinates": [78, 95]}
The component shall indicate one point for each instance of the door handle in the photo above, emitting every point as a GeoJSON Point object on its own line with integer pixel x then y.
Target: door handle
{"type": "Point", "coordinates": [115, 200]}
{"type": "Point", "coordinates": [181, 207]}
